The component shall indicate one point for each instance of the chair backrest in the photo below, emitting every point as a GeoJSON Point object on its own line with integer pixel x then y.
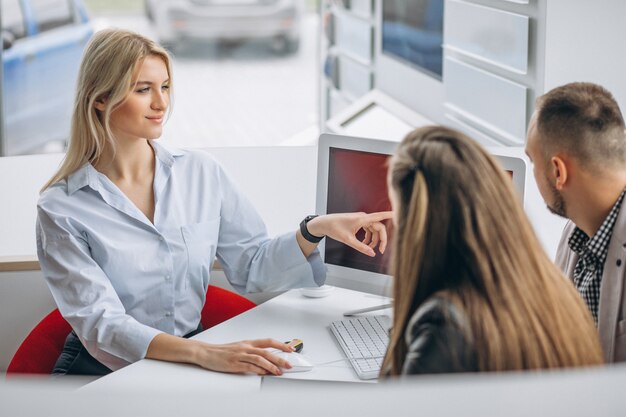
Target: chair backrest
{"type": "Point", "coordinates": [221, 305]}
{"type": "Point", "coordinates": [42, 347]}
{"type": "Point", "coordinates": [39, 351]}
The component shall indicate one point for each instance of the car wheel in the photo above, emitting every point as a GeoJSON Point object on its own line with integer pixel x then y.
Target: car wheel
{"type": "Point", "coordinates": [293, 45]}
{"type": "Point", "coordinates": [285, 45]}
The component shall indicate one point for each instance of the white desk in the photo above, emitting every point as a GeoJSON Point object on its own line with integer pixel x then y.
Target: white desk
{"type": "Point", "coordinates": [285, 317]}
{"type": "Point", "coordinates": [164, 389]}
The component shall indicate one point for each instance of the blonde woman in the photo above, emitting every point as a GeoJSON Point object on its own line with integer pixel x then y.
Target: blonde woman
{"type": "Point", "coordinates": [474, 291]}
{"type": "Point", "coordinates": [127, 229]}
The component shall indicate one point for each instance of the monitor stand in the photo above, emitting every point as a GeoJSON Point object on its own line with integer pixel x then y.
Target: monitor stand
{"type": "Point", "coordinates": [367, 310]}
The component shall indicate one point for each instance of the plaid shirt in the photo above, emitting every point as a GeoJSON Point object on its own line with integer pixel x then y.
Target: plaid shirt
{"type": "Point", "coordinates": [592, 254]}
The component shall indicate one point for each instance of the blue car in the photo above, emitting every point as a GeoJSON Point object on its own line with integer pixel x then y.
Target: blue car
{"type": "Point", "coordinates": [42, 44]}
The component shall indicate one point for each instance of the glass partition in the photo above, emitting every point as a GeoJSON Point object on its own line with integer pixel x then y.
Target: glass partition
{"type": "Point", "coordinates": [245, 73]}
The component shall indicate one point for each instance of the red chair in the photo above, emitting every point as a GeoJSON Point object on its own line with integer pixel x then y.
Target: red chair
{"type": "Point", "coordinates": [221, 305]}
{"type": "Point", "coordinates": [39, 351]}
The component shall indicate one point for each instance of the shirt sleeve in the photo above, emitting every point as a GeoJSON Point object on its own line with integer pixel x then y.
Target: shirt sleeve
{"type": "Point", "coordinates": [85, 296]}
{"type": "Point", "coordinates": [251, 260]}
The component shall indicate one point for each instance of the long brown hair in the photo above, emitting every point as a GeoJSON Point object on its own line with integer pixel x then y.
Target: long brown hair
{"type": "Point", "coordinates": [461, 233]}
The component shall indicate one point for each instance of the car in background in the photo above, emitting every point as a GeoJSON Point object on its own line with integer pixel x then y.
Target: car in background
{"type": "Point", "coordinates": [176, 21]}
{"type": "Point", "coordinates": [42, 45]}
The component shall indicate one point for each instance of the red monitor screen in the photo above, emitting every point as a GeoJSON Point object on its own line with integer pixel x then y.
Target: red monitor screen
{"type": "Point", "coordinates": [357, 181]}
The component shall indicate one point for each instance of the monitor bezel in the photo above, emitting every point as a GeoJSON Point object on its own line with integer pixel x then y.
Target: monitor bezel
{"type": "Point", "coordinates": [516, 165]}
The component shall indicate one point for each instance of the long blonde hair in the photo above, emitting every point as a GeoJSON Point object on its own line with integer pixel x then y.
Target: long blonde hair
{"type": "Point", "coordinates": [106, 74]}
{"type": "Point", "coordinates": [462, 234]}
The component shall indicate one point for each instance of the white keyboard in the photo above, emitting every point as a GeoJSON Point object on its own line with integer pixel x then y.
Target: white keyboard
{"type": "Point", "coordinates": [364, 340]}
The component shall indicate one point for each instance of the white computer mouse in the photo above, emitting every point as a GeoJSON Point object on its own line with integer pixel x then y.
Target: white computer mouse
{"type": "Point", "coordinates": [298, 362]}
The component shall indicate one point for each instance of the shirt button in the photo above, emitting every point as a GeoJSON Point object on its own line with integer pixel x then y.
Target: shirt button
{"type": "Point", "coordinates": [167, 277]}
{"type": "Point", "coordinates": [161, 238]}
{"type": "Point", "coordinates": [168, 314]}
{"type": "Point", "coordinates": [619, 262]}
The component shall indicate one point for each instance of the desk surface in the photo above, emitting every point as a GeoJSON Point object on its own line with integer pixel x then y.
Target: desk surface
{"type": "Point", "coordinates": [288, 316]}
{"type": "Point", "coordinates": [189, 390]}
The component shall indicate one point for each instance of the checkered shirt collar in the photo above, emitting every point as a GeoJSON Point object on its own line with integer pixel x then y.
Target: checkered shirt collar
{"type": "Point", "coordinates": [598, 245]}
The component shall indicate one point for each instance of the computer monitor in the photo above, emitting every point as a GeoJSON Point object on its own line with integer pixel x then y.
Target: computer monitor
{"type": "Point", "coordinates": [352, 177]}
{"type": "Point", "coordinates": [409, 54]}
{"type": "Point", "coordinates": [515, 166]}
{"type": "Point", "coordinates": [412, 31]}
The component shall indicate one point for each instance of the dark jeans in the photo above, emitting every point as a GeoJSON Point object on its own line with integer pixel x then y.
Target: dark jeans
{"type": "Point", "coordinates": [75, 360]}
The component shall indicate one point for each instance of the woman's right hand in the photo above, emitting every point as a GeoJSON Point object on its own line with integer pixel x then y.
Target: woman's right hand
{"type": "Point", "coordinates": [248, 356]}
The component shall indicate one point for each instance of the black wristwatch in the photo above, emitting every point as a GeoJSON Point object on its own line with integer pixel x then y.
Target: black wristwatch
{"type": "Point", "coordinates": [305, 232]}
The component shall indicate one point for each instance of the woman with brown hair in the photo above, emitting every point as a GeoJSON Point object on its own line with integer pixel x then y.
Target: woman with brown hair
{"type": "Point", "coordinates": [474, 290]}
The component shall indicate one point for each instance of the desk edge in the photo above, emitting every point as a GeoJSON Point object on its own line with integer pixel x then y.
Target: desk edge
{"type": "Point", "coordinates": [19, 263]}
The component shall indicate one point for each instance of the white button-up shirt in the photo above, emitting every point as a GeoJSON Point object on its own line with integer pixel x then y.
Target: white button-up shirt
{"type": "Point", "coordinates": [120, 280]}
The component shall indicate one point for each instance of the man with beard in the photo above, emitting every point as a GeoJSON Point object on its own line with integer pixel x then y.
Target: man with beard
{"type": "Point", "coordinates": [577, 144]}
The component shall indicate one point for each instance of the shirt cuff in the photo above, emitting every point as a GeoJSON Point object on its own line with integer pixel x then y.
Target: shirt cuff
{"type": "Point", "coordinates": [127, 345]}
{"type": "Point", "coordinates": [309, 272]}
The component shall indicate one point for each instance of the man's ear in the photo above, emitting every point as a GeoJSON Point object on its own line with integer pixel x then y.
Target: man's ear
{"type": "Point", "coordinates": [559, 172]}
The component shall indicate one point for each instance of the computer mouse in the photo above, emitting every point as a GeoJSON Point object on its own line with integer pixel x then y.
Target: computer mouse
{"type": "Point", "coordinates": [298, 362]}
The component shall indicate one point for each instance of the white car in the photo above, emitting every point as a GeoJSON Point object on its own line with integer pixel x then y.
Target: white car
{"type": "Point", "coordinates": [181, 20]}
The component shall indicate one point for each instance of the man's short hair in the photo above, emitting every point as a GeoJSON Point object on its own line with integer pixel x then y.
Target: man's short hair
{"type": "Point", "coordinates": [584, 121]}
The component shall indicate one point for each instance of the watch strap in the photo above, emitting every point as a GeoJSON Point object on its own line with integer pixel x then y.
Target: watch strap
{"type": "Point", "coordinates": [305, 232]}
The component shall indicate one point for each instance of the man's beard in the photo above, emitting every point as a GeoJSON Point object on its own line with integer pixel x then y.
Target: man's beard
{"type": "Point", "coordinates": [558, 204]}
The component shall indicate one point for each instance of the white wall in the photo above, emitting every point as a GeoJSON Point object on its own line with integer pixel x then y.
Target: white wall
{"type": "Point", "coordinates": [22, 177]}
{"type": "Point", "coordinates": [585, 41]}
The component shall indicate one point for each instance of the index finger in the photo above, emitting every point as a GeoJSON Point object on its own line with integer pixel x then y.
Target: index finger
{"type": "Point", "coordinates": [271, 343]}
{"type": "Point", "coordinates": [379, 216]}
{"type": "Point", "coordinates": [273, 359]}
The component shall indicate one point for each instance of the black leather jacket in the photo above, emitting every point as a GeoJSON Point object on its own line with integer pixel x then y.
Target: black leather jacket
{"type": "Point", "coordinates": [439, 340]}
